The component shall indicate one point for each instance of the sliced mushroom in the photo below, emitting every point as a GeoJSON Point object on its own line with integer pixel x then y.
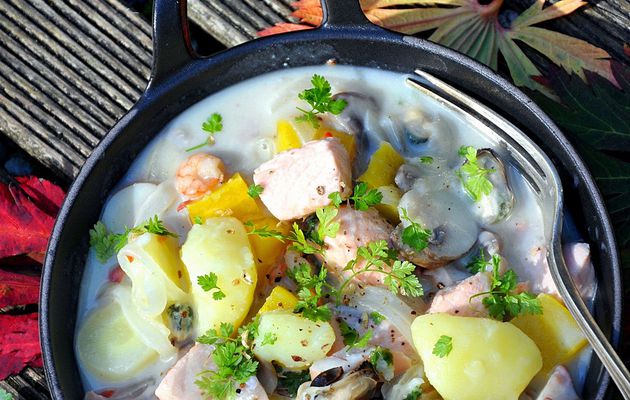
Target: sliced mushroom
{"type": "Point", "coordinates": [453, 232]}
{"type": "Point", "coordinates": [424, 133]}
{"type": "Point", "coordinates": [407, 176]}
{"type": "Point", "coordinates": [357, 385]}
{"type": "Point", "coordinates": [497, 205]}
{"type": "Point", "coordinates": [359, 118]}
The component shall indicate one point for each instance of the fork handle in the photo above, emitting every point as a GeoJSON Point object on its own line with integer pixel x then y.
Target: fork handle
{"type": "Point", "coordinates": [571, 296]}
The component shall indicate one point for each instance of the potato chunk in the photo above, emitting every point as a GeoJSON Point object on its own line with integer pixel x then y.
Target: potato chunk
{"type": "Point", "coordinates": [298, 341]}
{"type": "Point", "coordinates": [489, 359]}
{"type": "Point", "coordinates": [555, 332]}
{"type": "Point", "coordinates": [220, 246]}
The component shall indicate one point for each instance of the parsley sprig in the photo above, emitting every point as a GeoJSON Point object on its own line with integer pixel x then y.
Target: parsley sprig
{"type": "Point", "coordinates": [208, 282]}
{"type": "Point", "coordinates": [443, 346]}
{"type": "Point", "coordinates": [377, 317]}
{"type": "Point", "coordinates": [473, 175]}
{"type": "Point", "coordinates": [311, 292]}
{"type": "Point", "coordinates": [378, 256]}
{"type": "Point", "coordinates": [362, 198]}
{"type": "Point", "coordinates": [319, 97]}
{"type": "Point", "coordinates": [233, 357]}
{"type": "Point", "coordinates": [351, 337]}
{"type": "Point", "coordinates": [479, 263]}
{"type": "Point", "coordinates": [501, 301]}
{"type": "Point", "coordinates": [290, 381]}
{"type": "Point", "coordinates": [311, 242]}
{"type": "Point", "coordinates": [106, 243]}
{"type": "Point", "coordinates": [413, 235]}
{"type": "Point", "coordinates": [212, 125]}
{"type": "Point", "coordinates": [254, 191]}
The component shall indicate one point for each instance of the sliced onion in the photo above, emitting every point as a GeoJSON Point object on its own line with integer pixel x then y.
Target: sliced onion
{"type": "Point", "coordinates": [267, 376]}
{"type": "Point", "coordinates": [384, 302]}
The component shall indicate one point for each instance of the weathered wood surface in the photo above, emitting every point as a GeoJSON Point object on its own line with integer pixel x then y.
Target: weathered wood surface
{"type": "Point", "coordinates": [70, 68]}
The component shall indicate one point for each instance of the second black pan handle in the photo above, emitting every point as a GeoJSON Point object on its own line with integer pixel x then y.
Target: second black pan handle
{"type": "Point", "coordinates": [338, 13]}
{"type": "Point", "coordinates": [172, 48]}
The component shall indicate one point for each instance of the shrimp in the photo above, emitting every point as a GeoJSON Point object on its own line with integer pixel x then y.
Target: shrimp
{"type": "Point", "coordinates": [198, 174]}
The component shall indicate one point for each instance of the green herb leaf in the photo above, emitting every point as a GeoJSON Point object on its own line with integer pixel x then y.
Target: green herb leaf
{"type": "Point", "coordinates": [311, 290]}
{"type": "Point", "coordinates": [413, 235]}
{"type": "Point", "coordinates": [377, 318]}
{"type": "Point", "coordinates": [212, 125]}
{"type": "Point", "coordinates": [415, 394]}
{"type": "Point", "coordinates": [319, 97]}
{"type": "Point", "coordinates": [364, 199]}
{"type": "Point", "coordinates": [234, 360]}
{"type": "Point", "coordinates": [198, 220]}
{"type": "Point", "coordinates": [208, 282]}
{"type": "Point", "coordinates": [265, 232]}
{"type": "Point", "coordinates": [443, 346]}
{"type": "Point", "coordinates": [336, 199]}
{"type": "Point", "coordinates": [4, 395]}
{"type": "Point", "coordinates": [326, 227]}
{"type": "Point", "coordinates": [426, 160]}
{"type": "Point", "coordinates": [381, 354]}
{"type": "Point", "coordinates": [103, 242]}
{"type": "Point", "coordinates": [301, 244]}
{"type": "Point", "coordinates": [269, 338]}
{"type": "Point", "coordinates": [107, 244]}
{"type": "Point", "coordinates": [290, 381]}
{"type": "Point", "coordinates": [479, 263]}
{"type": "Point", "coordinates": [400, 278]}
{"type": "Point", "coordinates": [473, 176]}
{"type": "Point", "coordinates": [254, 191]}
{"type": "Point", "coordinates": [501, 302]}
{"type": "Point", "coordinates": [351, 336]}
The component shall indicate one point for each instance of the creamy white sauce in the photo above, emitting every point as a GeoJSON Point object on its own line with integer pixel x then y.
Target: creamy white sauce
{"type": "Point", "coordinates": [250, 111]}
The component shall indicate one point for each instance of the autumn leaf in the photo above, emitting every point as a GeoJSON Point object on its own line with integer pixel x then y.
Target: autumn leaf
{"type": "Point", "coordinates": [27, 214]}
{"type": "Point", "coordinates": [19, 343]}
{"type": "Point", "coordinates": [481, 32]}
{"type": "Point", "coordinates": [17, 289]}
{"type": "Point", "coordinates": [283, 27]}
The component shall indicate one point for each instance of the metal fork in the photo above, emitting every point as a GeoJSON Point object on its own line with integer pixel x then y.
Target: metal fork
{"type": "Point", "coordinates": [543, 177]}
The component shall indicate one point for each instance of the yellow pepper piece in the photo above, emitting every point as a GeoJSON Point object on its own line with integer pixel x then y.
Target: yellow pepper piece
{"type": "Point", "coordinates": [388, 207]}
{"type": "Point", "coordinates": [382, 167]}
{"type": "Point", "coordinates": [555, 332]}
{"type": "Point", "coordinates": [267, 250]}
{"type": "Point", "coordinates": [279, 299]}
{"type": "Point", "coordinates": [229, 200]}
{"type": "Point", "coordinates": [286, 137]}
{"type": "Point", "coordinates": [347, 140]}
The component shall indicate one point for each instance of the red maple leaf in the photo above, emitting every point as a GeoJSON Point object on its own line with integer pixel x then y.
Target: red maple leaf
{"type": "Point", "coordinates": [27, 214]}
{"type": "Point", "coordinates": [19, 343]}
{"type": "Point", "coordinates": [18, 289]}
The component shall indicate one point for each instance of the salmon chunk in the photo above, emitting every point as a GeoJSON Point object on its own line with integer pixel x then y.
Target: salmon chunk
{"type": "Point", "coordinates": [298, 181]}
{"type": "Point", "coordinates": [179, 382]}
{"type": "Point", "coordinates": [559, 386]}
{"type": "Point", "coordinates": [356, 229]}
{"type": "Point", "coordinates": [456, 300]}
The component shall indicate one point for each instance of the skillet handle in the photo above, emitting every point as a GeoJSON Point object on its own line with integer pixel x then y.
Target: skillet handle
{"type": "Point", "coordinates": [172, 48]}
{"type": "Point", "coordinates": [338, 13]}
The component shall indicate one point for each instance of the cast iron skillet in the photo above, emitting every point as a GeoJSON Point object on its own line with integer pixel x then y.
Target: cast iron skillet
{"type": "Point", "coordinates": [180, 79]}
